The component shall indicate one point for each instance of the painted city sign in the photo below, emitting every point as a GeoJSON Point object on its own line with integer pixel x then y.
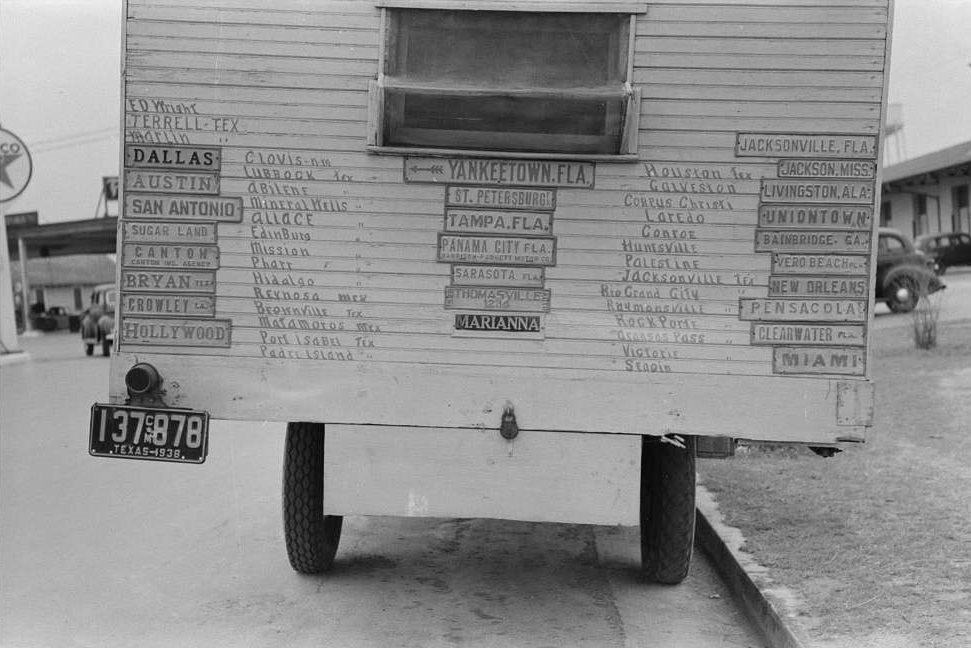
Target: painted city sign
{"type": "Point", "coordinates": [203, 281]}
{"type": "Point", "coordinates": [16, 167]}
{"type": "Point", "coordinates": [501, 198]}
{"type": "Point", "coordinates": [209, 208]}
{"type": "Point", "coordinates": [818, 286]}
{"type": "Point", "coordinates": [841, 264]}
{"type": "Point", "coordinates": [858, 217]}
{"type": "Point", "coordinates": [502, 250]}
{"type": "Point", "coordinates": [803, 145]}
{"type": "Point", "coordinates": [779, 333]}
{"type": "Point", "coordinates": [796, 360]}
{"type": "Point", "coordinates": [163, 156]}
{"type": "Point", "coordinates": [486, 275]}
{"type": "Point", "coordinates": [485, 221]}
{"type": "Point", "coordinates": [168, 304]}
{"type": "Point", "coordinates": [520, 173]}
{"type": "Point", "coordinates": [170, 255]}
{"type": "Point", "coordinates": [504, 323]}
{"type": "Point", "coordinates": [168, 232]}
{"type": "Point", "coordinates": [153, 181]}
{"type": "Point", "coordinates": [803, 310]}
{"type": "Point", "coordinates": [173, 332]}
{"type": "Point", "coordinates": [812, 241]}
{"type": "Point", "coordinates": [497, 298]}
{"type": "Point", "coordinates": [860, 192]}
{"type": "Point", "coordinates": [799, 168]}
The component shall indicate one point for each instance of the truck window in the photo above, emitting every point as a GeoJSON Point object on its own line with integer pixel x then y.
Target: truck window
{"type": "Point", "coordinates": [453, 78]}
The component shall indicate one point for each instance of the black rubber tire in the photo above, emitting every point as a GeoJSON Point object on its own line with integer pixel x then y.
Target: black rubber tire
{"type": "Point", "coordinates": [895, 304]}
{"type": "Point", "coordinates": [667, 509]}
{"type": "Point", "coordinates": [106, 348]}
{"type": "Point", "coordinates": [89, 349]}
{"type": "Point", "coordinates": [311, 536]}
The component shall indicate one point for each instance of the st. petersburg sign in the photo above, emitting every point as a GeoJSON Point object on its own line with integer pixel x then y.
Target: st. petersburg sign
{"type": "Point", "coordinates": [15, 166]}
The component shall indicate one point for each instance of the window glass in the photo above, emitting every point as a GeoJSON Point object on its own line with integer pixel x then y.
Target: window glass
{"type": "Point", "coordinates": [961, 196]}
{"type": "Point", "coordinates": [886, 215]}
{"type": "Point", "coordinates": [509, 49]}
{"type": "Point", "coordinates": [891, 243]}
{"type": "Point", "coordinates": [543, 82]}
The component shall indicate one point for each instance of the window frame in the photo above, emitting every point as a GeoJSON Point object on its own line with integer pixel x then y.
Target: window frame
{"type": "Point", "coordinates": [380, 87]}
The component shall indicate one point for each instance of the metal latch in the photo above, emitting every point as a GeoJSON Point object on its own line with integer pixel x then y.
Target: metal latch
{"type": "Point", "coordinates": [509, 429]}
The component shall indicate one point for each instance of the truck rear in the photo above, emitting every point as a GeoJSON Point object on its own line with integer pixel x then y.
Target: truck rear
{"type": "Point", "coordinates": [504, 259]}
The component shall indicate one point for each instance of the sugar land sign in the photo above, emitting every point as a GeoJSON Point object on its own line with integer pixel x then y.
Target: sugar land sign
{"type": "Point", "coordinates": [15, 166]}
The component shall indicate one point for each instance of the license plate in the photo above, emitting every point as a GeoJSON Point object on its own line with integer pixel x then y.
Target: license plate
{"type": "Point", "coordinates": [149, 433]}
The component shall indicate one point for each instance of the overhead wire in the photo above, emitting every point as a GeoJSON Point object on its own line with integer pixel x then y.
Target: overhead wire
{"type": "Point", "coordinates": [71, 144]}
{"type": "Point", "coordinates": [66, 138]}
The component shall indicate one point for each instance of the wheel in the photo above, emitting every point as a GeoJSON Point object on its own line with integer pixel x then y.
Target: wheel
{"type": "Point", "coordinates": [88, 349]}
{"type": "Point", "coordinates": [311, 536]}
{"type": "Point", "coordinates": [903, 293]}
{"type": "Point", "coordinates": [106, 347]}
{"type": "Point", "coordinates": [667, 509]}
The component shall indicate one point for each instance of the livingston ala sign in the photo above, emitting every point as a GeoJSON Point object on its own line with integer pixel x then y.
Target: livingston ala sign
{"type": "Point", "coordinates": [16, 166]}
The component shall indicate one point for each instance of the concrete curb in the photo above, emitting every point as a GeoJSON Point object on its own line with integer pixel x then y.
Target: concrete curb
{"type": "Point", "coordinates": [772, 612]}
{"type": "Point", "coordinates": [13, 357]}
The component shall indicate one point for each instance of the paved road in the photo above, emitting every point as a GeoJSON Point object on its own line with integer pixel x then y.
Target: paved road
{"type": "Point", "coordinates": [109, 552]}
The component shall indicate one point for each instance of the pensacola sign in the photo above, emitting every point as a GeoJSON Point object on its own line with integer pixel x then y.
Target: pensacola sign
{"type": "Point", "coordinates": [16, 166]}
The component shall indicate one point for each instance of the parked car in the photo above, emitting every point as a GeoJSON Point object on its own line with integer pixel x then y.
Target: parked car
{"type": "Point", "coordinates": [904, 273]}
{"type": "Point", "coordinates": [946, 249]}
{"type": "Point", "coordinates": [98, 322]}
{"type": "Point", "coordinates": [54, 318]}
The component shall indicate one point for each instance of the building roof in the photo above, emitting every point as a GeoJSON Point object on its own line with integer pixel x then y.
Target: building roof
{"type": "Point", "coordinates": [72, 270]}
{"type": "Point", "coordinates": [954, 160]}
{"type": "Point", "coordinates": [93, 236]}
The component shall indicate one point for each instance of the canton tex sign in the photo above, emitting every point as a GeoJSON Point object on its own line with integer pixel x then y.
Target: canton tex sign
{"type": "Point", "coordinates": [15, 166]}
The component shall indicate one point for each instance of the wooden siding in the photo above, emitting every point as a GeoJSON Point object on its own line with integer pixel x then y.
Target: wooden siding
{"type": "Point", "coordinates": [652, 260]}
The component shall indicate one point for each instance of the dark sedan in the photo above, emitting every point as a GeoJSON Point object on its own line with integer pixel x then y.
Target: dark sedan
{"type": "Point", "coordinates": [946, 249]}
{"type": "Point", "coordinates": [904, 273]}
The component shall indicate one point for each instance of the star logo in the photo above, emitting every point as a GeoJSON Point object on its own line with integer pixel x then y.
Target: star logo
{"type": "Point", "coordinates": [5, 161]}
{"type": "Point", "coordinates": [16, 166]}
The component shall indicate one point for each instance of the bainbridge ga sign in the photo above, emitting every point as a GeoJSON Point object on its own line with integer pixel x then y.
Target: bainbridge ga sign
{"type": "Point", "coordinates": [16, 166]}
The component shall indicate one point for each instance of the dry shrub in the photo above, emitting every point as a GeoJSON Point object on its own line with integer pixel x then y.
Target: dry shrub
{"type": "Point", "coordinates": [926, 315]}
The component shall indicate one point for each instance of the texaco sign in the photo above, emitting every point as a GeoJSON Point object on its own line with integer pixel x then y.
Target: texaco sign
{"type": "Point", "coordinates": [15, 166]}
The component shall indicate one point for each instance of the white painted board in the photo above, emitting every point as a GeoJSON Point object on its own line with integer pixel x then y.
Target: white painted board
{"type": "Point", "coordinates": [715, 283]}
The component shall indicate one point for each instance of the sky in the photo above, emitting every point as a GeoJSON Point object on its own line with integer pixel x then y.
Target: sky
{"type": "Point", "coordinates": [60, 88]}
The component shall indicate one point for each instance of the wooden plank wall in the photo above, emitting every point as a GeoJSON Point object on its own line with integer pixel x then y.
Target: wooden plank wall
{"type": "Point", "coordinates": [282, 89]}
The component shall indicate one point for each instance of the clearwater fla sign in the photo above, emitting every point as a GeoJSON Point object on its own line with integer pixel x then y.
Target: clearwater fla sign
{"type": "Point", "coordinates": [15, 166]}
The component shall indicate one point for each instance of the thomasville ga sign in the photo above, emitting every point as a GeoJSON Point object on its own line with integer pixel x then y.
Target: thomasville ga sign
{"type": "Point", "coordinates": [16, 166]}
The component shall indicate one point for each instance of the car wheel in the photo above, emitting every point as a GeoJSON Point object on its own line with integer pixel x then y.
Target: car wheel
{"type": "Point", "coordinates": [311, 536]}
{"type": "Point", "coordinates": [88, 349]}
{"type": "Point", "coordinates": [903, 294]}
{"type": "Point", "coordinates": [667, 509]}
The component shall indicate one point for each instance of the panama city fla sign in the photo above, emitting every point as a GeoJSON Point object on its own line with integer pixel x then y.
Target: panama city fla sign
{"type": "Point", "coordinates": [15, 166]}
